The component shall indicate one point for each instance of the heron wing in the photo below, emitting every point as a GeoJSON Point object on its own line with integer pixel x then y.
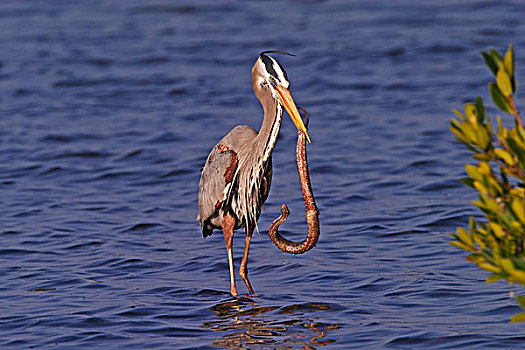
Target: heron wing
{"type": "Point", "coordinates": [218, 175]}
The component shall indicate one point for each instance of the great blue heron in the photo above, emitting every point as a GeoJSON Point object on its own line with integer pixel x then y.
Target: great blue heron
{"type": "Point", "coordinates": [236, 177]}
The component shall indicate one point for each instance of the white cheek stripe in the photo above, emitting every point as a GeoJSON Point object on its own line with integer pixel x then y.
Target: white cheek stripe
{"type": "Point", "coordinates": [280, 73]}
{"type": "Point", "coordinates": [275, 131]}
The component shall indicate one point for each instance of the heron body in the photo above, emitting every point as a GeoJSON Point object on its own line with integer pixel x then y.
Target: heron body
{"type": "Point", "coordinates": [237, 175]}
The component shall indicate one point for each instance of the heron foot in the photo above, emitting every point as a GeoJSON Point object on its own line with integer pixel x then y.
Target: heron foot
{"type": "Point", "coordinates": [233, 291]}
{"type": "Point", "coordinates": [243, 271]}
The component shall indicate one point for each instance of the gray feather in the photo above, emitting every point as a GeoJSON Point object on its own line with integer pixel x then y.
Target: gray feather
{"type": "Point", "coordinates": [212, 186]}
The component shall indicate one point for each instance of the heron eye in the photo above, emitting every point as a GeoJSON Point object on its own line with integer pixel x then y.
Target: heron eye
{"type": "Point", "coordinates": [273, 81]}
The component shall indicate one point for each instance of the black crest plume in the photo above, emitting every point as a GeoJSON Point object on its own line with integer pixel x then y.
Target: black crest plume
{"type": "Point", "coordinates": [268, 62]}
{"type": "Point", "coordinates": [280, 52]}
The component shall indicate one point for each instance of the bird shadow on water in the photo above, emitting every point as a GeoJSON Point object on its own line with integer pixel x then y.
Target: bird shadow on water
{"type": "Point", "coordinates": [242, 323]}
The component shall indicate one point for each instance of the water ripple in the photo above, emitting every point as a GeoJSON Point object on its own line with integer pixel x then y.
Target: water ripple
{"type": "Point", "coordinates": [108, 111]}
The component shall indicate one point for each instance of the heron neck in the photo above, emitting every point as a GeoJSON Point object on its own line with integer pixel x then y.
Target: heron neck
{"type": "Point", "coordinates": [267, 137]}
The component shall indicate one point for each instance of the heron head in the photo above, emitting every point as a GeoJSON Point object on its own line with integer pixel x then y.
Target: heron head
{"type": "Point", "coordinates": [269, 76]}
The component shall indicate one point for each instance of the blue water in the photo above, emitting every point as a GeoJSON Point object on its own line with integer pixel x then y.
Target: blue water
{"type": "Point", "coordinates": [108, 111]}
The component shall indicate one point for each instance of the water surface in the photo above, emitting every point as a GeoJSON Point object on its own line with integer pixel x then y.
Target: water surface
{"type": "Point", "coordinates": [109, 109]}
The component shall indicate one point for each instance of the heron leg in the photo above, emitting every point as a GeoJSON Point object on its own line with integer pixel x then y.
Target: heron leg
{"type": "Point", "coordinates": [228, 223]}
{"type": "Point", "coordinates": [243, 271]}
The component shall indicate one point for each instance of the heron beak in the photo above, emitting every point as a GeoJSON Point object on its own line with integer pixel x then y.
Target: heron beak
{"type": "Point", "coordinates": [287, 101]}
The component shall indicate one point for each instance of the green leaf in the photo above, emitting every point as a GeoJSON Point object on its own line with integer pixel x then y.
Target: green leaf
{"type": "Point", "coordinates": [518, 208]}
{"type": "Point", "coordinates": [518, 151]}
{"type": "Point", "coordinates": [458, 113]}
{"type": "Point", "coordinates": [517, 276]}
{"type": "Point", "coordinates": [520, 299]}
{"type": "Point", "coordinates": [471, 134]}
{"type": "Point", "coordinates": [489, 267]}
{"type": "Point", "coordinates": [473, 172]}
{"type": "Point", "coordinates": [496, 228]}
{"type": "Point", "coordinates": [496, 56]}
{"type": "Point", "coordinates": [456, 124]}
{"type": "Point", "coordinates": [457, 133]}
{"type": "Point", "coordinates": [484, 168]}
{"type": "Point", "coordinates": [472, 225]}
{"type": "Point", "coordinates": [484, 138]}
{"type": "Point", "coordinates": [489, 61]}
{"type": "Point", "coordinates": [481, 188]}
{"type": "Point", "coordinates": [518, 317]}
{"type": "Point", "coordinates": [481, 109]}
{"type": "Point", "coordinates": [506, 156]}
{"type": "Point", "coordinates": [506, 265]}
{"type": "Point", "coordinates": [468, 181]}
{"type": "Point", "coordinates": [521, 134]}
{"type": "Point", "coordinates": [481, 156]}
{"type": "Point", "coordinates": [503, 82]}
{"type": "Point", "coordinates": [465, 237]}
{"type": "Point", "coordinates": [519, 263]}
{"type": "Point", "coordinates": [501, 128]}
{"type": "Point", "coordinates": [494, 278]}
{"type": "Point", "coordinates": [472, 113]}
{"type": "Point", "coordinates": [499, 99]}
{"type": "Point", "coordinates": [508, 61]}
{"type": "Point", "coordinates": [462, 246]}
{"type": "Point", "coordinates": [479, 240]}
{"type": "Point", "coordinates": [490, 204]}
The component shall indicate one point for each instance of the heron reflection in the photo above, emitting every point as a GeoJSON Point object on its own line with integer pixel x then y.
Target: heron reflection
{"type": "Point", "coordinates": [248, 325]}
